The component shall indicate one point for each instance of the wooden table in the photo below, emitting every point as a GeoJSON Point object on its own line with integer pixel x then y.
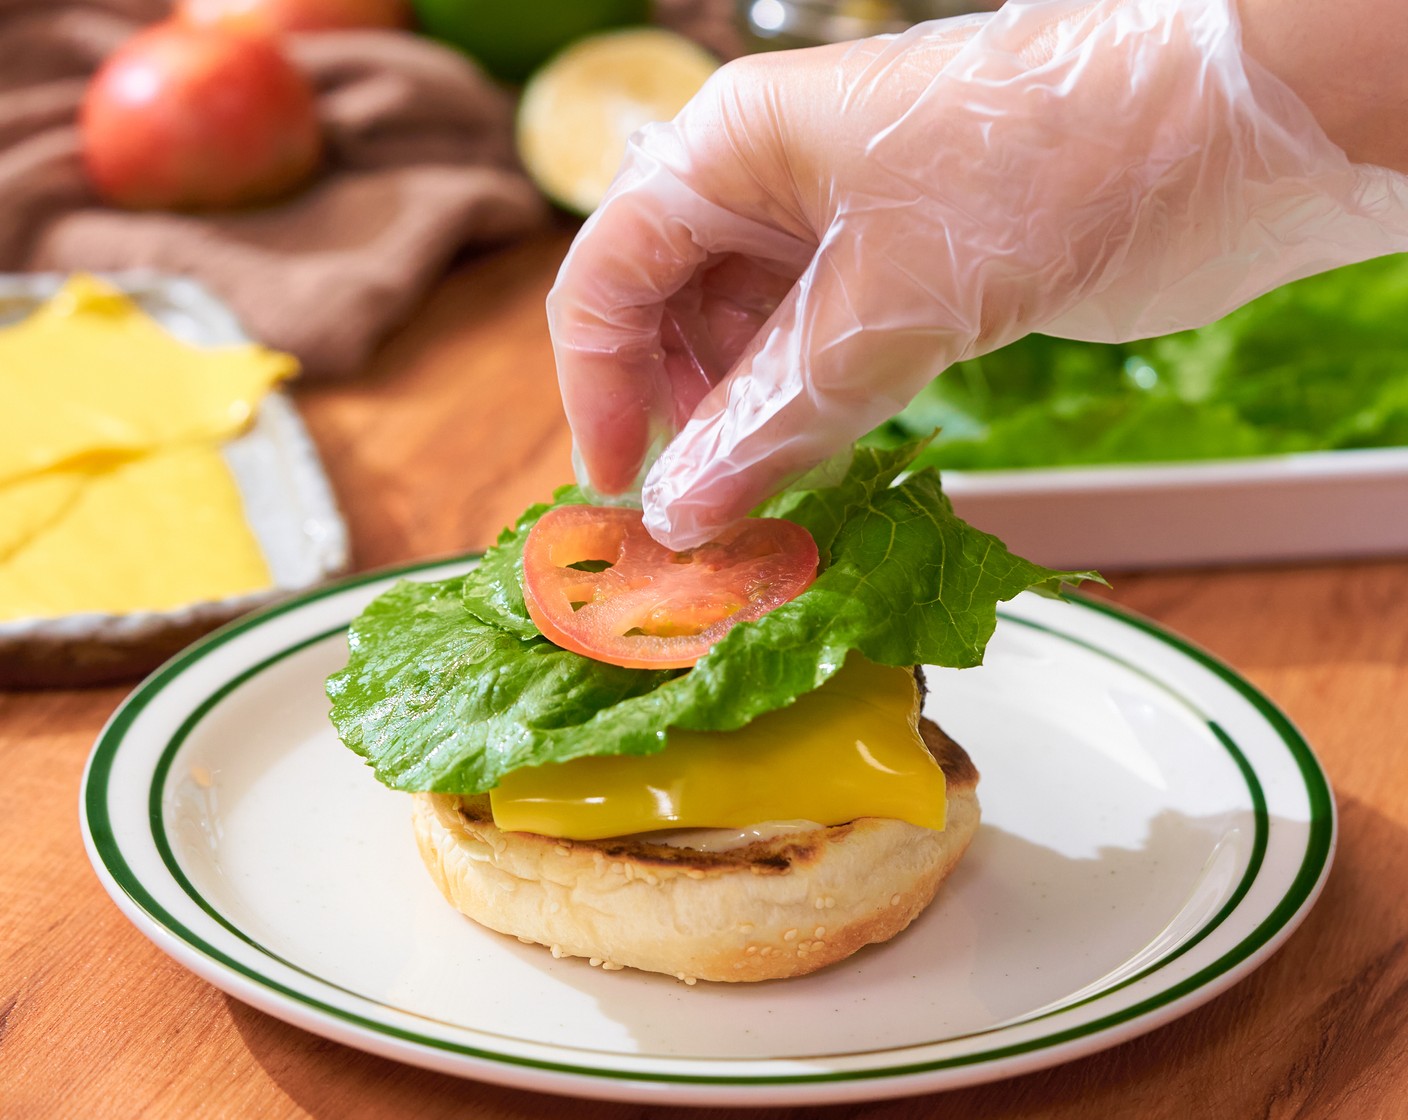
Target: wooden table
{"type": "Point", "coordinates": [453, 432]}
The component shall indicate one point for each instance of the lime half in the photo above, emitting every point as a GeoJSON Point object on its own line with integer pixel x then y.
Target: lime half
{"type": "Point", "coordinates": [579, 110]}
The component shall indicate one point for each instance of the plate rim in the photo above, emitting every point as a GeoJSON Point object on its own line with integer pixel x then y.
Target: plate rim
{"type": "Point", "coordinates": [188, 946]}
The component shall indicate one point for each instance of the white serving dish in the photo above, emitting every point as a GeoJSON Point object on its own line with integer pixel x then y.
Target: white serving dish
{"type": "Point", "coordinates": [1322, 505]}
{"type": "Point", "coordinates": [288, 502]}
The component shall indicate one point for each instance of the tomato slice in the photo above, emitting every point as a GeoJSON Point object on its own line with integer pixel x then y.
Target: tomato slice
{"type": "Point", "coordinates": [597, 583]}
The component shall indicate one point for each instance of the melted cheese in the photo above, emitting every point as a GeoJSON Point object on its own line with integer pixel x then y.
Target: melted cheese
{"type": "Point", "coordinates": [113, 493]}
{"type": "Point", "coordinates": [726, 839]}
{"type": "Point", "coordinates": [850, 749]}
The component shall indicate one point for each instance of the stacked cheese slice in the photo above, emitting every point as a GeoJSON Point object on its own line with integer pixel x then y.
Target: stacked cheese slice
{"type": "Point", "coordinates": [114, 496]}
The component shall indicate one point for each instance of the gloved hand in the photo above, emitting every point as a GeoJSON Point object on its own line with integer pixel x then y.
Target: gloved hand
{"type": "Point", "coordinates": [820, 232]}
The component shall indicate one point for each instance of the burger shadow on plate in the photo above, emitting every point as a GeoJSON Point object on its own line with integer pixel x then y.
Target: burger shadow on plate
{"type": "Point", "coordinates": [1019, 930]}
{"type": "Point", "coordinates": [971, 934]}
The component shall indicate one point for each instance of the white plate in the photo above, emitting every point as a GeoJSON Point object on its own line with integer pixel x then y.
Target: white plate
{"type": "Point", "coordinates": [1153, 829]}
{"type": "Point", "coordinates": [1316, 505]}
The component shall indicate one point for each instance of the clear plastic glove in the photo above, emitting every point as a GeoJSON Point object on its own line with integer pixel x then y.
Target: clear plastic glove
{"type": "Point", "coordinates": [820, 232]}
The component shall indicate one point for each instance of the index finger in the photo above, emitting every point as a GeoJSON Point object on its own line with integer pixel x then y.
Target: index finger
{"type": "Point", "coordinates": [605, 312]}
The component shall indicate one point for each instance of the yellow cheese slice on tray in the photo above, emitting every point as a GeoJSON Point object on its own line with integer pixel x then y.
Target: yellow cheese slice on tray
{"type": "Point", "coordinates": [154, 532]}
{"type": "Point", "coordinates": [28, 506]}
{"type": "Point", "coordinates": [91, 373]}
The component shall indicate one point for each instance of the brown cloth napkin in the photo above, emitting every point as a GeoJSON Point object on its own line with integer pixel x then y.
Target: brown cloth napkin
{"type": "Point", "coordinates": [420, 165]}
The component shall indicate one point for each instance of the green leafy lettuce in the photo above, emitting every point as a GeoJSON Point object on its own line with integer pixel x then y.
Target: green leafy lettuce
{"type": "Point", "coordinates": [1317, 365]}
{"type": "Point", "coordinates": [449, 685]}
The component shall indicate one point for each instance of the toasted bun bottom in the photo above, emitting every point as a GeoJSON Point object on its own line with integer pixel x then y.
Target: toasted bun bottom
{"type": "Point", "coordinates": [775, 908]}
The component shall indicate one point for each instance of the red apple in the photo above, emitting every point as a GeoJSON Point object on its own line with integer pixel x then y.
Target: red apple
{"type": "Point", "coordinates": [277, 16]}
{"type": "Point", "coordinates": [194, 117]}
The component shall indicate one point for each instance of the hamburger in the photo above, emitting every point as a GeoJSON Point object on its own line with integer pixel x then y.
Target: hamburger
{"type": "Point", "coordinates": [710, 764]}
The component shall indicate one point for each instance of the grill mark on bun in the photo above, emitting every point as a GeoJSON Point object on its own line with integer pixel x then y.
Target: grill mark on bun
{"type": "Point", "coordinates": [953, 760]}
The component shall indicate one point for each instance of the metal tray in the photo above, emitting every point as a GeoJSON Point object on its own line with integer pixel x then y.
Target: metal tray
{"type": "Point", "coordinates": [288, 502]}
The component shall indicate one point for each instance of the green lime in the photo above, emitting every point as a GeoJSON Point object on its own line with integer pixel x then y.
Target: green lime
{"type": "Point", "coordinates": [578, 111]}
{"type": "Point", "coordinates": [512, 39]}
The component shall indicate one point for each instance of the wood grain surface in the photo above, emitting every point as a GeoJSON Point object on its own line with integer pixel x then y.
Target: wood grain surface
{"type": "Point", "coordinates": [454, 430]}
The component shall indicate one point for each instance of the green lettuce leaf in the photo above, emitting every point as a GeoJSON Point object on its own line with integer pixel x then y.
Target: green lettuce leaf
{"type": "Point", "coordinates": [448, 685]}
{"type": "Point", "coordinates": [1316, 365]}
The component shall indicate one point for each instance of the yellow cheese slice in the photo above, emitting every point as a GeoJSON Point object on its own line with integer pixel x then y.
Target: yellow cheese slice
{"type": "Point", "coordinates": [90, 373]}
{"type": "Point", "coordinates": [850, 749]}
{"type": "Point", "coordinates": [150, 533]}
{"type": "Point", "coordinates": [30, 505]}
